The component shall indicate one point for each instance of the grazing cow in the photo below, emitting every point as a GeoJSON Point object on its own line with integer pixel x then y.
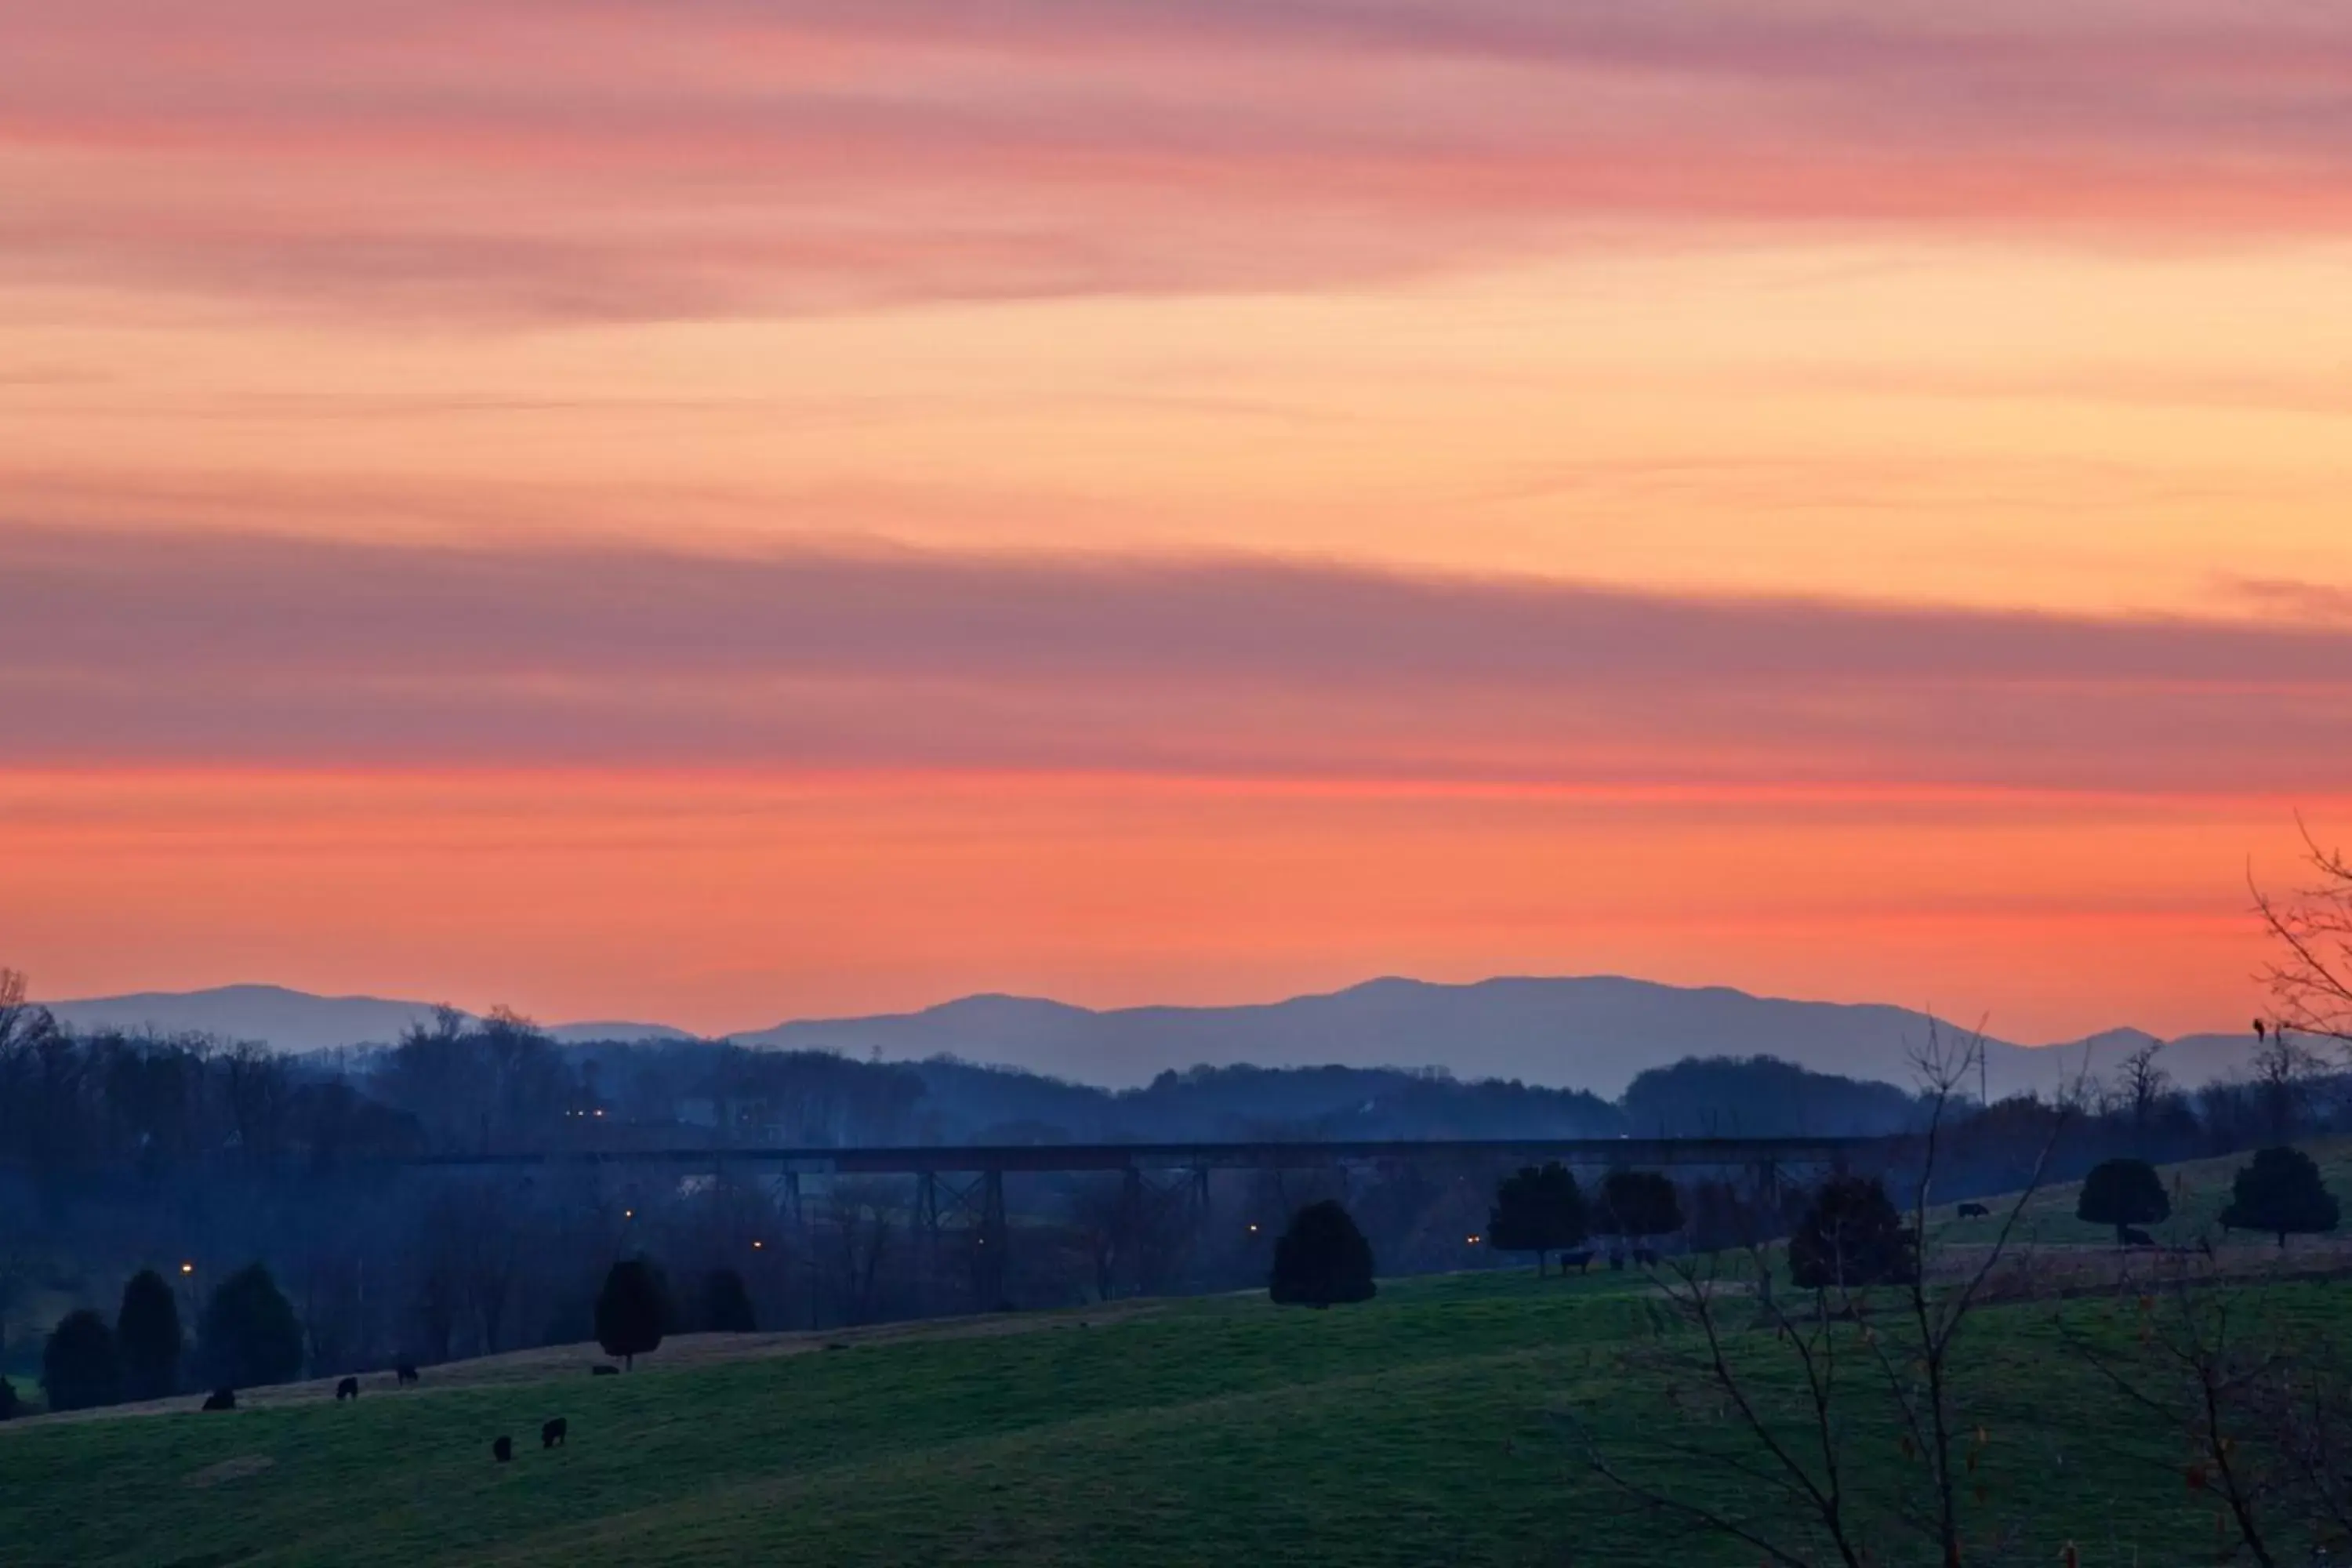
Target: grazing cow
{"type": "Point", "coordinates": [1975, 1211]}
{"type": "Point", "coordinates": [604, 1369]}
{"type": "Point", "coordinates": [221, 1399]}
{"type": "Point", "coordinates": [347, 1389]}
{"type": "Point", "coordinates": [1583, 1261]}
{"type": "Point", "coordinates": [1646, 1256]}
{"type": "Point", "coordinates": [2135, 1236]}
{"type": "Point", "coordinates": [404, 1374]}
{"type": "Point", "coordinates": [553, 1433]}
{"type": "Point", "coordinates": [502, 1449]}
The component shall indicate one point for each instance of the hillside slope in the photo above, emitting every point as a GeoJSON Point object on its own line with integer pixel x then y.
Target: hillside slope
{"type": "Point", "coordinates": [1422, 1428]}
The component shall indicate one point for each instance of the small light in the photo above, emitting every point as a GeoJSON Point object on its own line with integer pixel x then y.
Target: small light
{"type": "Point", "coordinates": [757, 1245]}
{"type": "Point", "coordinates": [187, 1268]}
{"type": "Point", "coordinates": [628, 1214]}
{"type": "Point", "coordinates": [1253, 1230]}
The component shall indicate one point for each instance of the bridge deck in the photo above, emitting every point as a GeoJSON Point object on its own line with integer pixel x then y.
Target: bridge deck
{"type": "Point", "coordinates": [918, 1159]}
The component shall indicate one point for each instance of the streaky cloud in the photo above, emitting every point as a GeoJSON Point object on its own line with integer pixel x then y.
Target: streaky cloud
{"type": "Point", "coordinates": [626, 160]}
{"type": "Point", "coordinates": [199, 646]}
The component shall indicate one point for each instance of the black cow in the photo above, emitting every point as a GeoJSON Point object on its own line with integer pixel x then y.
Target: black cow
{"type": "Point", "coordinates": [604, 1369]}
{"type": "Point", "coordinates": [1975, 1211]}
{"type": "Point", "coordinates": [1646, 1256]}
{"type": "Point", "coordinates": [553, 1433]}
{"type": "Point", "coordinates": [221, 1399]}
{"type": "Point", "coordinates": [1583, 1261]}
{"type": "Point", "coordinates": [2135, 1236]}
{"type": "Point", "coordinates": [404, 1374]}
{"type": "Point", "coordinates": [502, 1449]}
{"type": "Point", "coordinates": [347, 1389]}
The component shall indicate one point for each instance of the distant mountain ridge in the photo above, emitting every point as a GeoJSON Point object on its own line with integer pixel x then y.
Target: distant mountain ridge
{"type": "Point", "coordinates": [1595, 1033]}
{"type": "Point", "coordinates": [293, 1020]}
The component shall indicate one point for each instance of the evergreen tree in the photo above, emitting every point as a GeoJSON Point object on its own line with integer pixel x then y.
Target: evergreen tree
{"type": "Point", "coordinates": [631, 1310]}
{"type": "Point", "coordinates": [1322, 1260]}
{"type": "Point", "coordinates": [726, 1304]}
{"type": "Point", "coordinates": [1536, 1211]}
{"type": "Point", "coordinates": [2122, 1193]}
{"type": "Point", "coordinates": [147, 1332]}
{"type": "Point", "coordinates": [1852, 1236]}
{"type": "Point", "coordinates": [2278, 1191]}
{"type": "Point", "coordinates": [250, 1334]}
{"type": "Point", "coordinates": [81, 1369]}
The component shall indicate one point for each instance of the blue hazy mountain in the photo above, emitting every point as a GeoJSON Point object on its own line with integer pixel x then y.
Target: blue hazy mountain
{"type": "Point", "coordinates": [1588, 1032]}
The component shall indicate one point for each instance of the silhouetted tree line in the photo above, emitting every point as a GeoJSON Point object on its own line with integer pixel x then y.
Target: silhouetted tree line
{"type": "Point", "coordinates": [247, 1336]}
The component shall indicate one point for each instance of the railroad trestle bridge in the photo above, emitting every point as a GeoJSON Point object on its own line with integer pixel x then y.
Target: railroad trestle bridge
{"type": "Point", "coordinates": [959, 1187]}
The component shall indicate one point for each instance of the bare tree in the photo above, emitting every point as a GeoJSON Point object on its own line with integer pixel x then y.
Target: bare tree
{"type": "Point", "coordinates": [861, 1221]}
{"type": "Point", "coordinates": [2260, 1411]}
{"type": "Point", "coordinates": [258, 1087]}
{"type": "Point", "coordinates": [1885, 1340]}
{"type": "Point", "coordinates": [15, 1011]}
{"type": "Point", "coordinates": [2285, 1073]}
{"type": "Point", "coordinates": [2311, 982]}
{"type": "Point", "coordinates": [490, 1257]}
{"type": "Point", "coordinates": [1098, 1210]}
{"type": "Point", "coordinates": [2142, 1084]}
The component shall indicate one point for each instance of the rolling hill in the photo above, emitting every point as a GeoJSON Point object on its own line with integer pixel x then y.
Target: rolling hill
{"type": "Point", "coordinates": [1428, 1425]}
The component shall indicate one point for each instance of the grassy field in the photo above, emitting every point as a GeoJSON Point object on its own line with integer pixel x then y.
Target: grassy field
{"type": "Point", "coordinates": [1426, 1426]}
{"type": "Point", "coordinates": [2199, 1190]}
{"type": "Point", "coordinates": [1423, 1427]}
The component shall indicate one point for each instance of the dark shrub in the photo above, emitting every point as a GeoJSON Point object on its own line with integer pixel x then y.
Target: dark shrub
{"type": "Point", "coordinates": [1321, 1259]}
{"type": "Point", "coordinates": [9, 1409]}
{"type": "Point", "coordinates": [726, 1304]}
{"type": "Point", "coordinates": [2278, 1191]}
{"type": "Point", "coordinates": [1852, 1236]}
{"type": "Point", "coordinates": [1639, 1202]}
{"type": "Point", "coordinates": [2122, 1193]}
{"type": "Point", "coordinates": [147, 1332]}
{"type": "Point", "coordinates": [1536, 1211]}
{"type": "Point", "coordinates": [80, 1368]}
{"type": "Point", "coordinates": [249, 1335]}
{"type": "Point", "coordinates": [632, 1309]}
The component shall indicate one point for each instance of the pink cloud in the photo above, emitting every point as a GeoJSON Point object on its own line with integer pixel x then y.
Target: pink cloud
{"type": "Point", "coordinates": [630, 159]}
{"type": "Point", "coordinates": [120, 649]}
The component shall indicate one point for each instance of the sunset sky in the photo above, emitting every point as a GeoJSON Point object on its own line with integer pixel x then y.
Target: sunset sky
{"type": "Point", "coordinates": [716, 510]}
